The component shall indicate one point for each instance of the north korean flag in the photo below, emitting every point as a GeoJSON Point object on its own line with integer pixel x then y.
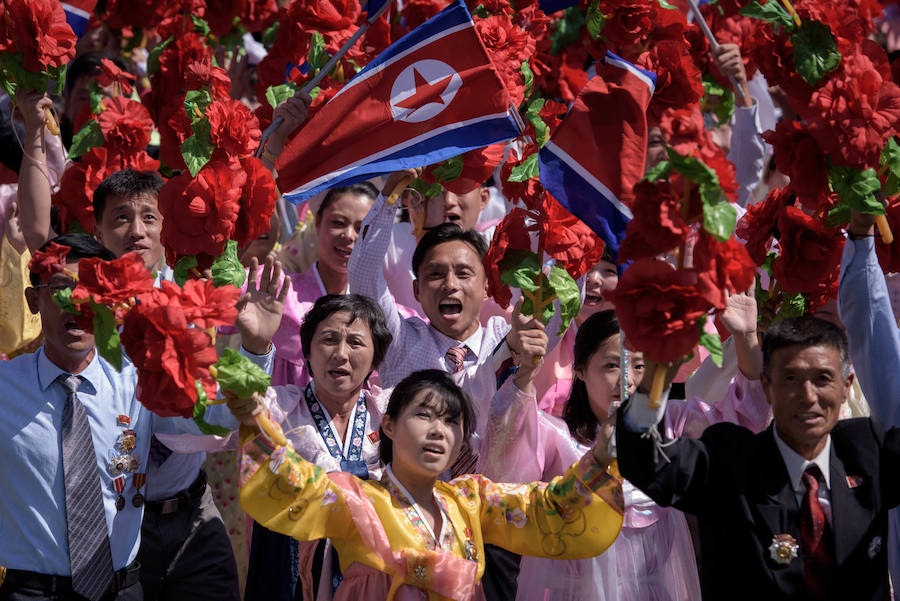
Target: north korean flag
{"type": "Point", "coordinates": [78, 13]}
{"type": "Point", "coordinates": [597, 154]}
{"type": "Point", "coordinates": [430, 96]}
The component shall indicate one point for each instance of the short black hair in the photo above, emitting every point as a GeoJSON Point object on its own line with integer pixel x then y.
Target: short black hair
{"type": "Point", "coordinates": [81, 246]}
{"type": "Point", "coordinates": [577, 412]}
{"type": "Point", "coordinates": [89, 64]}
{"type": "Point", "coordinates": [447, 398]}
{"type": "Point", "coordinates": [446, 232]}
{"type": "Point", "coordinates": [805, 331]}
{"type": "Point", "coordinates": [360, 307]}
{"type": "Point", "coordinates": [359, 189]}
{"type": "Point", "coordinates": [126, 182]}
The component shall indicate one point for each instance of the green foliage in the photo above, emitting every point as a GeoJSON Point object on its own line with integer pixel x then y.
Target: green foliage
{"type": "Point", "coordinates": [194, 101]}
{"type": "Point", "coordinates": [771, 12]}
{"type": "Point", "coordinates": [594, 20]}
{"type": "Point", "coordinates": [227, 268]}
{"type": "Point", "coordinates": [533, 114]}
{"type": "Point", "coordinates": [13, 76]}
{"type": "Point", "coordinates": [890, 156]}
{"type": "Point", "coordinates": [97, 96]}
{"type": "Point", "coordinates": [815, 51]}
{"type": "Point", "coordinates": [269, 35]}
{"type": "Point", "coordinates": [522, 269]}
{"type": "Point", "coordinates": [181, 271]}
{"type": "Point", "coordinates": [711, 342]}
{"type": "Point", "coordinates": [567, 30]}
{"type": "Point", "coordinates": [63, 298]}
{"type": "Point", "coordinates": [237, 374]}
{"type": "Point", "coordinates": [278, 94]}
{"type": "Point", "coordinates": [856, 188]}
{"type": "Point", "coordinates": [526, 169]}
{"type": "Point", "coordinates": [481, 11]}
{"type": "Point", "coordinates": [449, 169]}
{"type": "Point", "coordinates": [519, 268]}
{"type": "Point", "coordinates": [427, 190]}
{"type": "Point", "coordinates": [724, 107]}
{"type": "Point", "coordinates": [200, 413]}
{"type": "Point", "coordinates": [153, 57]}
{"type": "Point", "coordinates": [198, 149]}
{"type": "Point", "coordinates": [317, 56]}
{"type": "Point", "coordinates": [89, 136]}
{"type": "Point", "coordinates": [200, 25]}
{"type": "Point", "coordinates": [792, 305]}
{"type": "Point", "coordinates": [528, 76]}
{"type": "Point", "coordinates": [566, 290]}
{"type": "Point", "coordinates": [106, 335]}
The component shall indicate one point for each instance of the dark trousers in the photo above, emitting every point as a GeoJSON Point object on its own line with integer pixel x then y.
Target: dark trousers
{"type": "Point", "coordinates": [273, 571]}
{"type": "Point", "coordinates": [186, 554]}
{"type": "Point", "coordinates": [501, 570]}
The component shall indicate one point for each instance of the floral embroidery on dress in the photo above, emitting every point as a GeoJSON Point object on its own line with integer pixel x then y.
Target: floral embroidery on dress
{"type": "Point", "coordinates": [515, 517]}
{"type": "Point", "coordinates": [329, 497]}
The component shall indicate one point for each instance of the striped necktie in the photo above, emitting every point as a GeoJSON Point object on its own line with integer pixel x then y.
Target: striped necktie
{"type": "Point", "coordinates": [816, 537]}
{"type": "Point", "coordinates": [89, 552]}
{"type": "Point", "coordinates": [456, 355]}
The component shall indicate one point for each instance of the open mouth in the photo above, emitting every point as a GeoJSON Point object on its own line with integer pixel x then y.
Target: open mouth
{"type": "Point", "coordinates": [338, 373]}
{"type": "Point", "coordinates": [343, 252]}
{"type": "Point", "coordinates": [592, 299]}
{"type": "Point", "coordinates": [452, 218]}
{"type": "Point", "coordinates": [450, 308]}
{"type": "Point", "coordinates": [433, 449]}
{"type": "Point", "coordinates": [72, 328]}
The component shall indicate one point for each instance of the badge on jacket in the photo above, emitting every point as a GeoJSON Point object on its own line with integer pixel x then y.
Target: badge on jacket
{"type": "Point", "coordinates": [783, 549]}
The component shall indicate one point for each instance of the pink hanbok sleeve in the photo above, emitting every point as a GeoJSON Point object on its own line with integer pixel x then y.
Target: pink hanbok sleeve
{"type": "Point", "coordinates": [744, 404]}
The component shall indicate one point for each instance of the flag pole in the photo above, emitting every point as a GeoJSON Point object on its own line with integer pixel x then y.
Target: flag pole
{"type": "Point", "coordinates": [713, 42]}
{"type": "Point", "coordinates": [325, 70]}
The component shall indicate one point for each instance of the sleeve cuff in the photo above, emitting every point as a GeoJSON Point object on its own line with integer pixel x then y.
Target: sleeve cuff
{"type": "Point", "coordinates": [265, 362]}
{"type": "Point", "coordinates": [639, 416]}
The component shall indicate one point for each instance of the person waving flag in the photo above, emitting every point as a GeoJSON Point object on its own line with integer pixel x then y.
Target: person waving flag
{"type": "Point", "coordinates": [430, 96]}
{"type": "Point", "coordinates": [597, 154]}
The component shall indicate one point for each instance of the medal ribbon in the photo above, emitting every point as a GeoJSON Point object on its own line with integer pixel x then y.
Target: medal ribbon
{"type": "Point", "coordinates": [352, 462]}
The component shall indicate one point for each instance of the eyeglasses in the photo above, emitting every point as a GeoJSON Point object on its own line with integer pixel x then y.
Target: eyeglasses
{"type": "Point", "coordinates": [55, 287]}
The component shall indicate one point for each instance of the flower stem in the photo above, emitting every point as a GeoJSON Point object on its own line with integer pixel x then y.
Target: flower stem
{"type": "Point", "coordinates": [656, 388]}
{"type": "Point", "coordinates": [790, 9]}
{"type": "Point", "coordinates": [881, 222]}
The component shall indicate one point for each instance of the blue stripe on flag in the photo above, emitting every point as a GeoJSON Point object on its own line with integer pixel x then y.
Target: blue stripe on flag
{"type": "Point", "coordinates": [77, 19]}
{"type": "Point", "coordinates": [373, 6]}
{"type": "Point", "coordinates": [434, 147]}
{"type": "Point", "coordinates": [583, 195]}
{"type": "Point", "coordinates": [551, 6]}
{"type": "Point", "coordinates": [648, 77]}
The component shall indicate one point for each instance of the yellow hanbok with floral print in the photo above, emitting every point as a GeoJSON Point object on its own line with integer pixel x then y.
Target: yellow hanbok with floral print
{"type": "Point", "coordinates": [387, 552]}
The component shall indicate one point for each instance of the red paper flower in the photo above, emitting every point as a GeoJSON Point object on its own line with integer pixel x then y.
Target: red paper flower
{"type": "Point", "coordinates": [202, 74]}
{"type": "Point", "coordinates": [658, 308]}
{"type": "Point", "coordinates": [508, 46]}
{"type": "Point", "coordinates": [797, 155]}
{"type": "Point", "coordinates": [207, 305]}
{"type": "Point", "coordinates": [810, 255]}
{"type": "Point", "coordinates": [683, 128]}
{"type": "Point", "coordinates": [757, 227]}
{"type": "Point", "coordinates": [257, 202]}
{"type": "Point", "coordinates": [199, 214]}
{"type": "Point", "coordinates": [111, 74]}
{"type": "Point", "coordinates": [112, 282]}
{"type": "Point", "coordinates": [530, 191]}
{"type": "Point", "coordinates": [678, 81]}
{"type": "Point", "coordinates": [628, 22]}
{"type": "Point", "coordinates": [510, 233]}
{"type": "Point", "coordinates": [574, 246]}
{"type": "Point", "coordinates": [854, 112]}
{"type": "Point", "coordinates": [40, 33]}
{"type": "Point", "coordinates": [233, 127]}
{"type": "Point", "coordinates": [126, 124]}
{"type": "Point", "coordinates": [657, 226]}
{"type": "Point", "coordinates": [417, 12]}
{"type": "Point", "coordinates": [49, 261]}
{"type": "Point", "coordinates": [169, 355]}
{"type": "Point", "coordinates": [723, 265]}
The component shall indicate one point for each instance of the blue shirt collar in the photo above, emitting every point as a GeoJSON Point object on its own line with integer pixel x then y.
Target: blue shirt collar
{"type": "Point", "coordinates": [49, 371]}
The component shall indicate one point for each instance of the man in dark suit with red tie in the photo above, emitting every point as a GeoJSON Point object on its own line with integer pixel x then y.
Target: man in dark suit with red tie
{"type": "Point", "coordinates": [798, 511]}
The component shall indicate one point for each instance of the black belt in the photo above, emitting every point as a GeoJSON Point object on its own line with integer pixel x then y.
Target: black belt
{"type": "Point", "coordinates": [51, 585]}
{"type": "Point", "coordinates": [192, 493]}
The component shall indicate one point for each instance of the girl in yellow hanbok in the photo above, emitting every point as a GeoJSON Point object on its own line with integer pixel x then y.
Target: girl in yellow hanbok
{"type": "Point", "coordinates": [409, 535]}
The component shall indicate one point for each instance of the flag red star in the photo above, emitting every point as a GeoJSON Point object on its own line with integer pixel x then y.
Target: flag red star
{"type": "Point", "coordinates": [425, 92]}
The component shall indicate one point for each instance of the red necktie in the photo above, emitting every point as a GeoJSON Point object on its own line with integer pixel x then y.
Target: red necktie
{"type": "Point", "coordinates": [457, 355]}
{"type": "Point", "coordinates": [816, 539]}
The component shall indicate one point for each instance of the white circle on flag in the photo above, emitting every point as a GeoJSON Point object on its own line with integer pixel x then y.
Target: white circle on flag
{"type": "Point", "coordinates": [414, 95]}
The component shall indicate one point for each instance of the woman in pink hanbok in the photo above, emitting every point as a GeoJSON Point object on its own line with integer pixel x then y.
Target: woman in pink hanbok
{"type": "Point", "coordinates": [653, 558]}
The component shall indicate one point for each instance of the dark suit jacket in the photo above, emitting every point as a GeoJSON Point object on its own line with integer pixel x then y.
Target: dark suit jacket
{"type": "Point", "coordinates": [737, 485]}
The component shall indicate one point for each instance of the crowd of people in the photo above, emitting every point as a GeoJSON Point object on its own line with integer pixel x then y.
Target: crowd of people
{"type": "Point", "coordinates": [429, 441]}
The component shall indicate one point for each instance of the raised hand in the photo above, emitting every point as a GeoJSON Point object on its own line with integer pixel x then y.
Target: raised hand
{"type": "Point", "coordinates": [739, 315]}
{"type": "Point", "coordinates": [527, 338]}
{"type": "Point", "coordinates": [245, 410]}
{"type": "Point", "coordinates": [261, 306]}
{"type": "Point", "coordinates": [293, 113]}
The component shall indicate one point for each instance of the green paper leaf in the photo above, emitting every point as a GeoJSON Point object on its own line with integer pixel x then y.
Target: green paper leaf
{"type": "Point", "coordinates": [659, 171]}
{"type": "Point", "coordinates": [719, 219]}
{"type": "Point", "coordinates": [196, 99]}
{"type": "Point", "coordinates": [519, 268]}
{"type": "Point", "coordinates": [58, 77]}
{"type": "Point", "coordinates": [528, 76]}
{"type": "Point", "coordinates": [890, 156]}
{"type": "Point", "coordinates": [838, 216]}
{"type": "Point", "coordinates": [533, 114]}
{"type": "Point", "coordinates": [449, 169]}
{"type": "Point", "coordinates": [526, 170]}
{"type": "Point", "coordinates": [724, 107]}
{"type": "Point", "coordinates": [227, 269]}
{"type": "Point", "coordinates": [96, 95]}
{"type": "Point", "coordinates": [815, 51]}
{"type": "Point", "coordinates": [666, 5]}
{"type": "Point", "coordinates": [481, 11]}
{"type": "Point", "coordinates": [269, 35]}
{"type": "Point", "coordinates": [63, 298]}
{"type": "Point", "coordinates": [106, 335]}
{"type": "Point", "coordinates": [153, 57]}
{"type": "Point", "coordinates": [428, 191]}
{"type": "Point", "coordinates": [856, 188]}
{"type": "Point", "coordinates": [200, 26]}
{"type": "Point", "coordinates": [692, 168]}
{"type": "Point", "coordinates": [594, 19]}
{"type": "Point", "coordinates": [237, 374]}
{"type": "Point", "coordinates": [13, 75]}
{"type": "Point", "coordinates": [89, 136]}
{"type": "Point", "coordinates": [200, 413]}
{"type": "Point", "coordinates": [198, 149]}
{"type": "Point", "coordinates": [567, 30]}
{"type": "Point", "coordinates": [771, 12]}
{"type": "Point", "coordinates": [278, 94]}
{"type": "Point", "coordinates": [568, 294]}
{"type": "Point", "coordinates": [792, 305]}
{"type": "Point", "coordinates": [317, 56]}
{"type": "Point", "coordinates": [712, 343]}
{"type": "Point", "coordinates": [182, 268]}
